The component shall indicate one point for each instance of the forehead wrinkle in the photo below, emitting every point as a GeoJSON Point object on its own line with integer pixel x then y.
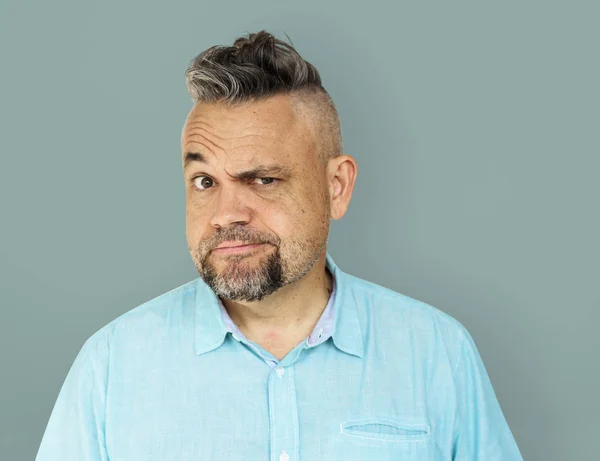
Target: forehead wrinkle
{"type": "Point", "coordinates": [190, 125]}
{"type": "Point", "coordinates": [244, 156]}
{"type": "Point", "coordinates": [237, 124]}
{"type": "Point", "coordinates": [215, 140]}
{"type": "Point", "coordinates": [188, 148]}
{"type": "Point", "coordinates": [203, 141]}
{"type": "Point", "coordinates": [246, 153]}
{"type": "Point", "coordinates": [195, 130]}
{"type": "Point", "coordinates": [201, 126]}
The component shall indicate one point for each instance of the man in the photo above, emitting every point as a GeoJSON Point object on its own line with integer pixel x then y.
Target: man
{"type": "Point", "coordinates": [273, 352]}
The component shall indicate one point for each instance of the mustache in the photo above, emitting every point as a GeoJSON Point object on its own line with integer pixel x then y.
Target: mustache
{"type": "Point", "coordinates": [237, 234]}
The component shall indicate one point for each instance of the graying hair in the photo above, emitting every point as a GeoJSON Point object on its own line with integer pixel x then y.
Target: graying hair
{"type": "Point", "coordinates": [259, 66]}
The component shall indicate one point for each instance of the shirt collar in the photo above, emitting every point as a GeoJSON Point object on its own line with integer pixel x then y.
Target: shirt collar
{"type": "Point", "coordinates": [211, 329]}
{"type": "Point", "coordinates": [320, 333]}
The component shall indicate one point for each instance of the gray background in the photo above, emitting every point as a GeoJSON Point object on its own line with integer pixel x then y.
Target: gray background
{"type": "Point", "coordinates": [475, 128]}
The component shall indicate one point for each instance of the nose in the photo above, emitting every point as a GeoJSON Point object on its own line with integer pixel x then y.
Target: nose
{"type": "Point", "coordinates": [230, 207]}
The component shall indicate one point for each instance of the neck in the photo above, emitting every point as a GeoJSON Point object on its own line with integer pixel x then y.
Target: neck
{"type": "Point", "coordinates": [283, 319]}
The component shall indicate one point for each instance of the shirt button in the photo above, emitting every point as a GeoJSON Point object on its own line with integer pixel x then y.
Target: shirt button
{"type": "Point", "coordinates": [280, 371]}
{"type": "Point", "coordinates": [284, 456]}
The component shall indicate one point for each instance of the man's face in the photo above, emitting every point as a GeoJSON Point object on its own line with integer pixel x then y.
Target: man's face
{"type": "Point", "coordinates": [282, 207]}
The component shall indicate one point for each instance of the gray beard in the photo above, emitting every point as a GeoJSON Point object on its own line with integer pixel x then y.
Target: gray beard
{"type": "Point", "coordinates": [240, 283]}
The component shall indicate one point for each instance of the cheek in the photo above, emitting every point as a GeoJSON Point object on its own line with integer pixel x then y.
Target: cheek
{"type": "Point", "coordinates": [195, 224]}
{"type": "Point", "coordinates": [298, 215]}
{"type": "Point", "coordinates": [191, 217]}
{"type": "Point", "coordinates": [192, 212]}
{"type": "Point", "coordinates": [275, 218]}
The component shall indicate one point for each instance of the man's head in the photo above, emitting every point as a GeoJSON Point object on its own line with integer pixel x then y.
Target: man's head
{"type": "Point", "coordinates": [263, 164]}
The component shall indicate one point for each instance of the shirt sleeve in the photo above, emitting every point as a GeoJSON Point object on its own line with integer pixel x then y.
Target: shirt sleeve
{"type": "Point", "coordinates": [481, 432]}
{"type": "Point", "coordinates": [75, 430]}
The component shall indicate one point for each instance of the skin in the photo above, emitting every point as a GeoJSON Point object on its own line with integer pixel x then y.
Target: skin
{"type": "Point", "coordinates": [276, 292]}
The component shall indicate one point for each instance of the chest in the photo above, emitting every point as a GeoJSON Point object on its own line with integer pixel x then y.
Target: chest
{"type": "Point", "coordinates": [327, 406]}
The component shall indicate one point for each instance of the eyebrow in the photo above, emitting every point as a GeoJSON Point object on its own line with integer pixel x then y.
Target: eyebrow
{"type": "Point", "coordinates": [256, 172]}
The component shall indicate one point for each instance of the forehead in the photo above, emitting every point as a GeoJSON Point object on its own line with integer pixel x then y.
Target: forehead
{"type": "Point", "coordinates": [269, 122]}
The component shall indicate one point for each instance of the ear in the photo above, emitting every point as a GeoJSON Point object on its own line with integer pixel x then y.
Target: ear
{"type": "Point", "coordinates": [341, 175]}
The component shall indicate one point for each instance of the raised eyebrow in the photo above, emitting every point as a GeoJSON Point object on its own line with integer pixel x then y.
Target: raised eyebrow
{"type": "Point", "coordinates": [193, 157]}
{"type": "Point", "coordinates": [263, 171]}
{"type": "Point", "coordinates": [259, 171]}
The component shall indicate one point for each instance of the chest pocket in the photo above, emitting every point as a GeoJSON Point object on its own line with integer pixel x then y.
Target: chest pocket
{"type": "Point", "coordinates": [386, 438]}
{"type": "Point", "coordinates": [386, 429]}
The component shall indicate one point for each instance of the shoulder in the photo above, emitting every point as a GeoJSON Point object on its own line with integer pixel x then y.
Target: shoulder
{"type": "Point", "coordinates": [387, 311]}
{"type": "Point", "coordinates": [142, 321]}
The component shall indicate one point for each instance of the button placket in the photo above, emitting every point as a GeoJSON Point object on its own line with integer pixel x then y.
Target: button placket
{"type": "Point", "coordinates": [283, 414]}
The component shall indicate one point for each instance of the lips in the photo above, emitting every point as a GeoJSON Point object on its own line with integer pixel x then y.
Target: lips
{"type": "Point", "coordinates": [236, 248]}
{"type": "Point", "coordinates": [234, 244]}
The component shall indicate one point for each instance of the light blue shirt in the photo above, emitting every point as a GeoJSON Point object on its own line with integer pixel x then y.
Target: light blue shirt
{"type": "Point", "coordinates": [397, 379]}
{"type": "Point", "coordinates": [321, 332]}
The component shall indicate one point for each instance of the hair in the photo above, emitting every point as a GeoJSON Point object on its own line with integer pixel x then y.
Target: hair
{"type": "Point", "coordinates": [259, 66]}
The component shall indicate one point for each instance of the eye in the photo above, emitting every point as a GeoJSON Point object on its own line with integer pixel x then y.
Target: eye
{"type": "Point", "coordinates": [202, 182]}
{"type": "Point", "coordinates": [270, 181]}
{"type": "Point", "coordinates": [205, 182]}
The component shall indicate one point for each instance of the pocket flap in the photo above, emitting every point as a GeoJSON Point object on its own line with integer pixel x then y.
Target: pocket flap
{"type": "Point", "coordinates": [386, 429]}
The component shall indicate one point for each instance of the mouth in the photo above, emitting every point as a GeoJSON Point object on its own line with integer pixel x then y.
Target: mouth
{"type": "Point", "coordinates": [234, 248]}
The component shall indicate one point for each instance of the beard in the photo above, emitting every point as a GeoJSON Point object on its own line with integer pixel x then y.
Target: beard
{"type": "Point", "coordinates": [242, 280]}
{"type": "Point", "coordinates": [253, 275]}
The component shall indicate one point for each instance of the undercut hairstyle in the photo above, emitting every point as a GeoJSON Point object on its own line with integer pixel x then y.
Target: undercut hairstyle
{"type": "Point", "coordinates": [259, 66]}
